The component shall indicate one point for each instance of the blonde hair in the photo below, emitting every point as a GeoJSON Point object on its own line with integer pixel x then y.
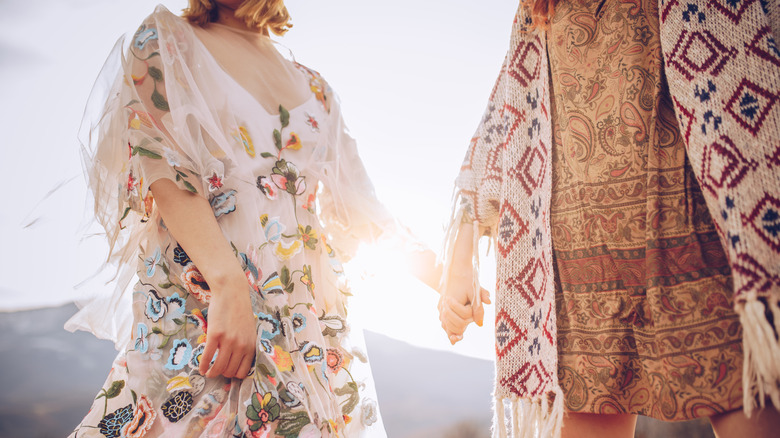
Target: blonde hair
{"type": "Point", "coordinates": [259, 14]}
{"type": "Point", "coordinates": [541, 12]}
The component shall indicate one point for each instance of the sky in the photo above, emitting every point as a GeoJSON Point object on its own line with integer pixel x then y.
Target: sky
{"type": "Point", "coordinates": [413, 77]}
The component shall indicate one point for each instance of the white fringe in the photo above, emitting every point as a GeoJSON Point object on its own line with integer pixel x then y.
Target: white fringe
{"type": "Point", "coordinates": [761, 369]}
{"type": "Point", "coordinates": [529, 418]}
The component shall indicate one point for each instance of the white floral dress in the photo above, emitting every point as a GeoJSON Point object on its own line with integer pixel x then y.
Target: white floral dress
{"type": "Point", "coordinates": [287, 190]}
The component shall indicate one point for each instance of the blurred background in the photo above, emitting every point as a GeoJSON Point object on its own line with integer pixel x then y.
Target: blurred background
{"type": "Point", "coordinates": [413, 77]}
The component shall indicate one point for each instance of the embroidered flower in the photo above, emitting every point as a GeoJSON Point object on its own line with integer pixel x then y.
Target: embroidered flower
{"type": "Point", "coordinates": [171, 157]}
{"type": "Point", "coordinates": [198, 319]}
{"type": "Point", "coordinates": [268, 326]}
{"type": "Point", "coordinates": [312, 122]}
{"type": "Point", "coordinates": [266, 346]}
{"type": "Point", "coordinates": [224, 203]}
{"type": "Point", "coordinates": [308, 235]}
{"type": "Point", "coordinates": [273, 284]}
{"type": "Point", "coordinates": [264, 184]}
{"type": "Point", "coordinates": [197, 353]}
{"type": "Point", "coordinates": [294, 142]}
{"type": "Point", "coordinates": [151, 262]}
{"type": "Point", "coordinates": [241, 135]}
{"type": "Point", "coordinates": [179, 355]}
{"type": "Point", "coordinates": [181, 257]}
{"type": "Point", "coordinates": [312, 353]}
{"type": "Point", "coordinates": [286, 251]}
{"type": "Point", "coordinates": [143, 417]}
{"type": "Point", "coordinates": [272, 227]}
{"type": "Point", "coordinates": [182, 381]}
{"type": "Point", "coordinates": [155, 306]}
{"type": "Point", "coordinates": [332, 325]}
{"type": "Point", "coordinates": [306, 278]}
{"type": "Point", "coordinates": [215, 182]}
{"type": "Point", "coordinates": [368, 412]}
{"type": "Point", "coordinates": [143, 36]}
{"type": "Point", "coordinates": [175, 306]}
{"type": "Point", "coordinates": [298, 322]}
{"type": "Point", "coordinates": [111, 424]}
{"type": "Point", "coordinates": [132, 184]}
{"type": "Point", "coordinates": [195, 283]}
{"type": "Point", "coordinates": [310, 203]}
{"type": "Point", "coordinates": [177, 406]}
{"type": "Point", "coordinates": [141, 342]}
{"type": "Point", "coordinates": [260, 412]}
{"type": "Point", "coordinates": [285, 175]}
{"type": "Point", "coordinates": [334, 359]}
{"type": "Point", "coordinates": [282, 359]}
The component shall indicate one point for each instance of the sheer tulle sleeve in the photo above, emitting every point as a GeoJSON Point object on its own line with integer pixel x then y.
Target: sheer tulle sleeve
{"type": "Point", "coordinates": [349, 207]}
{"type": "Point", "coordinates": [144, 120]}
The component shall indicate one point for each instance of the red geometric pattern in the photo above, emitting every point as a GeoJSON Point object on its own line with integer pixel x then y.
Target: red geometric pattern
{"type": "Point", "coordinates": [724, 165]}
{"type": "Point", "coordinates": [765, 219]}
{"type": "Point", "coordinates": [526, 62]}
{"type": "Point", "coordinates": [755, 277]}
{"type": "Point", "coordinates": [731, 8]}
{"type": "Point", "coordinates": [686, 118]}
{"type": "Point", "coordinates": [530, 169]}
{"type": "Point", "coordinates": [531, 282]}
{"type": "Point", "coordinates": [750, 104]}
{"type": "Point", "coordinates": [529, 379]}
{"type": "Point", "coordinates": [699, 52]}
{"type": "Point", "coordinates": [764, 46]}
{"type": "Point", "coordinates": [511, 227]}
{"type": "Point", "coordinates": [508, 334]}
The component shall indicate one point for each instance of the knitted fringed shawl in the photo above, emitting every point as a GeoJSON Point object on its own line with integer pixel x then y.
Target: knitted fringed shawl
{"type": "Point", "coordinates": [722, 66]}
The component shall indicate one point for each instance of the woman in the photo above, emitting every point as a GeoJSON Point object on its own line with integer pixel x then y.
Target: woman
{"type": "Point", "coordinates": [208, 152]}
{"type": "Point", "coordinates": [631, 191]}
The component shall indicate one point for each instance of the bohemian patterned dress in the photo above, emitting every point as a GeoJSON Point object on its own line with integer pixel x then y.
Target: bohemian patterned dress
{"type": "Point", "coordinates": [643, 288]}
{"type": "Point", "coordinates": [291, 196]}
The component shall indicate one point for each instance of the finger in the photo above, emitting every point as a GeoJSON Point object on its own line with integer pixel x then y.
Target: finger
{"type": "Point", "coordinates": [485, 295]}
{"type": "Point", "coordinates": [449, 316]}
{"type": "Point", "coordinates": [245, 367]}
{"type": "Point", "coordinates": [231, 369]}
{"type": "Point", "coordinates": [219, 366]}
{"type": "Point", "coordinates": [453, 324]}
{"type": "Point", "coordinates": [207, 356]}
{"type": "Point", "coordinates": [462, 310]}
{"type": "Point", "coordinates": [479, 312]}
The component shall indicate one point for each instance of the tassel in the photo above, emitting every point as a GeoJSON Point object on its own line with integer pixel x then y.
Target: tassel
{"type": "Point", "coordinates": [536, 418]}
{"type": "Point", "coordinates": [760, 373]}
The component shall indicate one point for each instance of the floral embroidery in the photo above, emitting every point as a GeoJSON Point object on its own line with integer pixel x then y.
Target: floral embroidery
{"type": "Point", "coordinates": [260, 412]}
{"type": "Point", "coordinates": [312, 353]}
{"type": "Point", "coordinates": [224, 203]}
{"type": "Point", "coordinates": [264, 184]}
{"type": "Point", "coordinates": [180, 354]}
{"type": "Point", "coordinates": [293, 143]}
{"type": "Point", "coordinates": [282, 359]}
{"type": "Point", "coordinates": [155, 306]}
{"type": "Point", "coordinates": [334, 359]}
{"type": "Point", "coordinates": [298, 322]}
{"type": "Point", "coordinates": [111, 424]}
{"type": "Point", "coordinates": [143, 35]}
{"type": "Point", "coordinates": [308, 236]}
{"type": "Point", "coordinates": [269, 326]}
{"type": "Point", "coordinates": [195, 283]}
{"type": "Point", "coordinates": [241, 135]}
{"type": "Point", "coordinates": [141, 343]}
{"type": "Point", "coordinates": [182, 381]}
{"type": "Point", "coordinates": [285, 175]}
{"type": "Point", "coordinates": [312, 122]}
{"type": "Point", "coordinates": [143, 417]}
{"type": "Point", "coordinates": [273, 284]}
{"type": "Point", "coordinates": [181, 257]}
{"type": "Point", "coordinates": [151, 262]}
{"type": "Point", "coordinates": [285, 251]}
{"type": "Point", "coordinates": [177, 406]}
{"type": "Point", "coordinates": [272, 227]}
{"type": "Point", "coordinates": [215, 182]}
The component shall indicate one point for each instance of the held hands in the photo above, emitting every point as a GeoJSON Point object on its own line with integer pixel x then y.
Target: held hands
{"type": "Point", "coordinates": [460, 304]}
{"type": "Point", "coordinates": [232, 334]}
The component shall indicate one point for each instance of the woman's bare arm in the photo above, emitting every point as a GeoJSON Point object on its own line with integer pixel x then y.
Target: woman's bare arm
{"type": "Point", "coordinates": [231, 323]}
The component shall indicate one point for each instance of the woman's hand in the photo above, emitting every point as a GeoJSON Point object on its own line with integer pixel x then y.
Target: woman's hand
{"type": "Point", "coordinates": [460, 304]}
{"type": "Point", "coordinates": [232, 333]}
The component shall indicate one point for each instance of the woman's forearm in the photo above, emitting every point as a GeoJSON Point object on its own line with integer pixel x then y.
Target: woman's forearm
{"type": "Point", "coordinates": [191, 221]}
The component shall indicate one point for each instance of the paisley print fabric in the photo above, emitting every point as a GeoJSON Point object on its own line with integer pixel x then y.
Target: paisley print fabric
{"type": "Point", "coordinates": [643, 287]}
